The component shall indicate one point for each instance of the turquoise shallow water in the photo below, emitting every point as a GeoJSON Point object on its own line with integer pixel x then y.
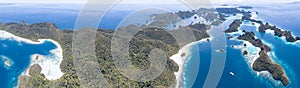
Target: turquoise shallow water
{"type": "Point", "coordinates": [19, 54]}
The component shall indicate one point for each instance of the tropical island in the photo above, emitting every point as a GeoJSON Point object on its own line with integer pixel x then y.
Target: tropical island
{"type": "Point", "coordinates": [6, 61]}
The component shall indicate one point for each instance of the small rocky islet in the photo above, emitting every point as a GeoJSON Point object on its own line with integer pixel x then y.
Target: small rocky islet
{"type": "Point", "coordinates": [7, 62]}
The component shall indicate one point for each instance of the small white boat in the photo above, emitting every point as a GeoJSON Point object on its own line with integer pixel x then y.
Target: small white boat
{"type": "Point", "coordinates": [231, 73]}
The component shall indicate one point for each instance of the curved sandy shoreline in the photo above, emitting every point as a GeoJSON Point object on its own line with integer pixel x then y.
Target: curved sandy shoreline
{"type": "Point", "coordinates": [50, 64]}
{"type": "Point", "coordinates": [177, 58]}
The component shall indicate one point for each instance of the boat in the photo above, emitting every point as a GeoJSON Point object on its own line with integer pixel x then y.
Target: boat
{"type": "Point", "coordinates": [231, 73]}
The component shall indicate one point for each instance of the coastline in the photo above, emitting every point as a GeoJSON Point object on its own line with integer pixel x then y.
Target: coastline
{"type": "Point", "coordinates": [181, 60]}
{"type": "Point", "coordinates": [45, 62]}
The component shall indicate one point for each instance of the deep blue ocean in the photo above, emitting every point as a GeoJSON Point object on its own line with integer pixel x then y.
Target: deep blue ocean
{"type": "Point", "coordinates": [64, 16]}
{"type": "Point", "coordinates": [19, 54]}
{"type": "Point", "coordinates": [285, 16]}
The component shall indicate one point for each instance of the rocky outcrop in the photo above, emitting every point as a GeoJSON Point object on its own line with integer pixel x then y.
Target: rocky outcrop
{"type": "Point", "coordinates": [249, 36]}
{"type": "Point", "coordinates": [229, 37]}
{"type": "Point", "coordinates": [289, 37]}
{"type": "Point", "coordinates": [278, 32]}
{"type": "Point", "coordinates": [287, 34]}
{"type": "Point", "coordinates": [263, 63]}
{"type": "Point", "coordinates": [261, 28]}
{"type": "Point", "coordinates": [264, 27]}
{"type": "Point", "coordinates": [23, 22]}
{"type": "Point", "coordinates": [245, 52]}
{"type": "Point", "coordinates": [246, 16]}
{"type": "Point", "coordinates": [233, 27]}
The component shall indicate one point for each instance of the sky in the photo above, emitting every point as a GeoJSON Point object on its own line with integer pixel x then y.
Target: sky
{"type": "Point", "coordinates": [43, 1]}
{"type": "Point", "coordinates": [144, 1]}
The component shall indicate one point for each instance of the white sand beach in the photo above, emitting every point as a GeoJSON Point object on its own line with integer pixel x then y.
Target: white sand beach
{"type": "Point", "coordinates": [50, 64]}
{"type": "Point", "coordinates": [181, 60]}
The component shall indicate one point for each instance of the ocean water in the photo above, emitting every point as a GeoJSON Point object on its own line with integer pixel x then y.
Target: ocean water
{"type": "Point", "coordinates": [19, 54]}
